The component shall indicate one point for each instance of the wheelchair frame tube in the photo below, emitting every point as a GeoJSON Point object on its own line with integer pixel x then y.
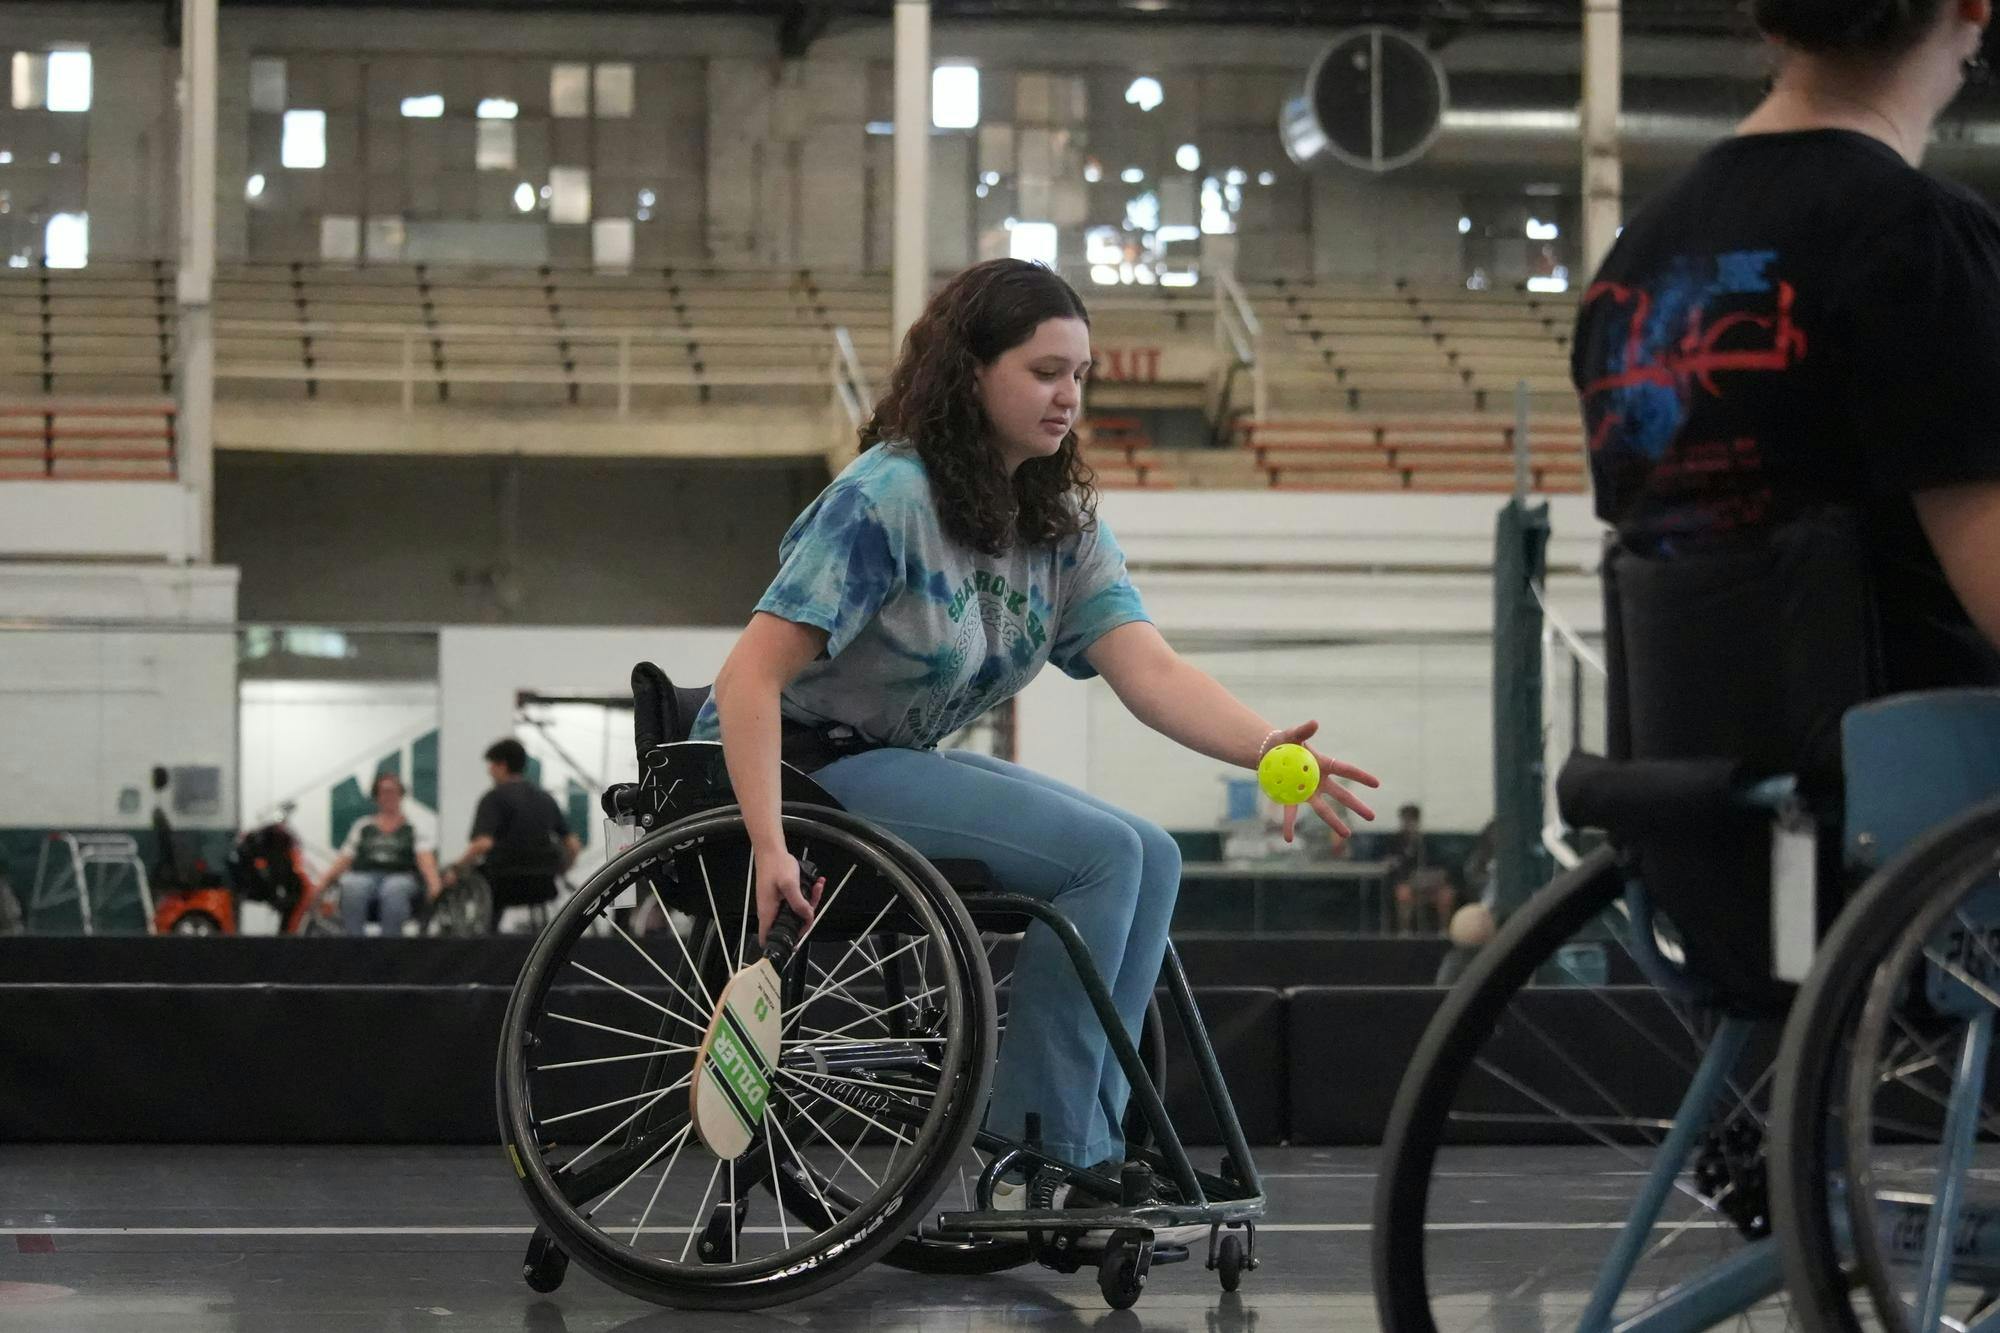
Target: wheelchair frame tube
{"type": "Point", "coordinates": [1689, 1121]}
{"type": "Point", "coordinates": [1210, 1070]}
{"type": "Point", "coordinates": [1114, 1030]}
{"type": "Point", "coordinates": [1961, 1129]}
{"type": "Point", "coordinates": [1731, 1287]}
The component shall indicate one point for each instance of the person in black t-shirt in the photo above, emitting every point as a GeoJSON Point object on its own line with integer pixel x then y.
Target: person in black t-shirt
{"type": "Point", "coordinates": [1806, 319]}
{"type": "Point", "coordinates": [520, 839]}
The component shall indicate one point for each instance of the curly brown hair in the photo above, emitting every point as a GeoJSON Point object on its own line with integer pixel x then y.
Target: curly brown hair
{"type": "Point", "coordinates": [932, 404]}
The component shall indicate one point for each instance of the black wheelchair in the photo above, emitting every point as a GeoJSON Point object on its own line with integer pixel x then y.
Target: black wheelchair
{"type": "Point", "coordinates": [876, 1102]}
{"type": "Point", "coordinates": [1753, 1028]}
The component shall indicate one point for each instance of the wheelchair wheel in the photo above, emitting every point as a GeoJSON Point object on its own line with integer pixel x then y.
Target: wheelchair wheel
{"type": "Point", "coordinates": [1516, 1056]}
{"type": "Point", "coordinates": [1888, 1193]}
{"type": "Point", "coordinates": [463, 907]}
{"type": "Point", "coordinates": [878, 1090]}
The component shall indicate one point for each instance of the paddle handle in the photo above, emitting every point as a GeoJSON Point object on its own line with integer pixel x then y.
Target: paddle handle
{"type": "Point", "coordinates": [783, 936]}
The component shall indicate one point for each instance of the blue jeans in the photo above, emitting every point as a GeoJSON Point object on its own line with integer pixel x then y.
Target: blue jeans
{"type": "Point", "coordinates": [1112, 874]}
{"type": "Point", "coordinates": [397, 890]}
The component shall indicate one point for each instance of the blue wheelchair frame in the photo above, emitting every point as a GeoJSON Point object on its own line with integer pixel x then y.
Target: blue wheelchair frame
{"type": "Point", "coordinates": [1915, 762]}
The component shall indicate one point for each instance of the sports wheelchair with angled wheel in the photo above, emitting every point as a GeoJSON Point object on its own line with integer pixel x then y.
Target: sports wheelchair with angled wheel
{"type": "Point", "coordinates": [1750, 1120]}
{"type": "Point", "coordinates": [870, 1118]}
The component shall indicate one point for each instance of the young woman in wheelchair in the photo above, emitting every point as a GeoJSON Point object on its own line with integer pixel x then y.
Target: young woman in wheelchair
{"type": "Point", "coordinates": [1789, 369]}
{"type": "Point", "coordinates": [935, 577]}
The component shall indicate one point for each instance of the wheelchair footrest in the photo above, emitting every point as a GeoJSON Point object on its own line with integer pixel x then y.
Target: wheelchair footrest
{"type": "Point", "coordinates": [1147, 1217]}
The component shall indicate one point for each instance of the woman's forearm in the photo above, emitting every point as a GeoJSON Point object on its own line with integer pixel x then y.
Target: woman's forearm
{"type": "Point", "coordinates": [751, 728]}
{"type": "Point", "coordinates": [1187, 705]}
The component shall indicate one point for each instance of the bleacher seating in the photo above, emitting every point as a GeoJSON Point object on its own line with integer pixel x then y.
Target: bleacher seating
{"type": "Point", "coordinates": [1370, 387]}
{"type": "Point", "coordinates": [66, 440]}
{"type": "Point", "coordinates": [1460, 453]}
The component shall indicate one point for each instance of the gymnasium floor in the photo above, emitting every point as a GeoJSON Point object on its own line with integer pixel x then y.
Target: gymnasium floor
{"type": "Point", "coordinates": [346, 1240]}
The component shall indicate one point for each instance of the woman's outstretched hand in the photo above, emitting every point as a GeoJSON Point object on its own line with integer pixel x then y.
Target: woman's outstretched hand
{"type": "Point", "coordinates": [1331, 796]}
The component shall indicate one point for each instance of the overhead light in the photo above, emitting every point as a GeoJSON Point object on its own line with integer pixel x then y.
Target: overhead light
{"type": "Point", "coordinates": [647, 199]}
{"type": "Point", "coordinates": [1465, 226]}
{"type": "Point", "coordinates": [881, 127]}
{"type": "Point", "coordinates": [498, 108]}
{"type": "Point", "coordinates": [6, 157]}
{"type": "Point", "coordinates": [1557, 281]}
{"type": "Point", "coordinates": [1104, 275]}
{"type": "Point", "coordinates": [254, 187]}
{"type": "Point", "coordinates": [1146, 6]}
{"type": "Point", "coordinates": [1144, 93]}
{"type": "Point", "coordinates": [524, 197]}
{"type": "Point", "coordinates": [1267, 178]}
{"type": "Point", "coordinates": [1131, 175]}
{"type": "Point", "coordinates": [990, 178]}
{"type": "Point", "coordinates": [1539, 230]}
{"type": "Point", "coordinates": [1235, 176]}
{"type": "Point", "coordinates": [1187, 157]}
{"type": "Point", "coordinates": [428, 107]}
{"type": "Point", "coordinates": [982, 189]}
{"type": "Point", "coordinates": [1092, 172]}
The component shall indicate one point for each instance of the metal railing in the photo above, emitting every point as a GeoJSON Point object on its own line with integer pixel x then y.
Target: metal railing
{"type": "Point", "coordinates": [850, 381]}
{"type": "Point", "coordinates": [1240, 338]}
{"type": "Point", "coordinates": [421, 353]}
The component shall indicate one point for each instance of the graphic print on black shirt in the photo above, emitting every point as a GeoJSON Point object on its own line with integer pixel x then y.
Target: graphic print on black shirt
{"type": "Point", "coordinates": [1685, 334]}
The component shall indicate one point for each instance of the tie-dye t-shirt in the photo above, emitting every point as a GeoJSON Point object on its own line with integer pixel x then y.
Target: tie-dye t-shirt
{"type": "Point", "coordinates": [924, 635]}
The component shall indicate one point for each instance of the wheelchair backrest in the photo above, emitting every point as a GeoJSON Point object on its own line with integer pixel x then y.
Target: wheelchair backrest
{"type": "Point", "coordinates": [663, 712]}
{"type": "Point", "coordinates": [1744, 657]}
{"type": "Point", "coordinates": [1750, 652]}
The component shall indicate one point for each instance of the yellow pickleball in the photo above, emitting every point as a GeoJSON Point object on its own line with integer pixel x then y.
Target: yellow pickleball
{"type": "Point", "coordinates": [1288, 774]}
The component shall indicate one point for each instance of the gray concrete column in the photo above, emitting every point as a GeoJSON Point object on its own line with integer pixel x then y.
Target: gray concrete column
{"type": "Point", "coordinates": [195, 289]}
{"type": "Point", "coordinates": [911, 266]}
{"type": "Point", "coordinates": [1603, 176]}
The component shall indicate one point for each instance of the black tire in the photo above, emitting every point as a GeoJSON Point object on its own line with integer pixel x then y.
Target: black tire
{"type": "Point", "coordinates": [545, 1265]}
{"type": "Point", "coordinates": [1229, 1261]}
{"type": "Point", "coordinates": [889, 872]}
{"type": "Point", "coordinates": [1118, 1275]}
{"type": "Point", "coordinates": [1889, 918]}
{"type": "Point", "coordinates": [1451, 1057]}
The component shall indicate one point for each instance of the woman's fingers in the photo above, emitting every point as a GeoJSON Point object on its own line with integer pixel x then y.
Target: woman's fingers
{"type": "Point", "coordinates": [1291, 818]}
{"type": "Point", "coordinates": [1352, 772]}
{"type": "Point", "coordinates": [1329, 812]}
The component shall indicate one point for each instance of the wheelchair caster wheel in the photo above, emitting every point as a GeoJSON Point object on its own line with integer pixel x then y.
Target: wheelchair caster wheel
{"type": "Point", "coordinates": [1121, 1275]}
{"type": "Point", "coordinates": [1229, 1263]}
{"type": "Point", "coordinates": [545, 1265]}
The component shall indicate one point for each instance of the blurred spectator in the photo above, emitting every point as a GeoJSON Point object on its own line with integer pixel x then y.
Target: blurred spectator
{"type": "Point", "coordinates": [381, 864]}
{"type": "Point", "coordinates": [520, 839]}
{"type": "Point", "coordinates": [1416, 881]}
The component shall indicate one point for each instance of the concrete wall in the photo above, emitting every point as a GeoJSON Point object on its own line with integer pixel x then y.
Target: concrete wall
{"type": "Point", "coordinates": [538, 541]}
{"type": "Point", "coordinates": [87, 708]}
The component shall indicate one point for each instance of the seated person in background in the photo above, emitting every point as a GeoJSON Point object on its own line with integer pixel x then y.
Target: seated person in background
{"type": "Point", "coordinates": [520, 839]}
{"type": "Point", "coordinates": [1415, 879]}
{"type": "Point", "coordinates": [381, 862]}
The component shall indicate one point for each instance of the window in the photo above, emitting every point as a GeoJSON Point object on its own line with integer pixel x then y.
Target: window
{"type": "Point", "coordinates": [267, 85]}
{"type": "Point", "coordinates": [611, 243]}
{"type": "Point", "coordinates": [66, 241]}
{"type": "Point", "coordinates": [1033, 241]}
{"type": "Point", "coordinates": [304, 144]}
{"type": "Point", "coordinates": [955, 97]}
{"type": "Point", "coordinates": [340, 238]}
{"type": "Point", "coordinates": [498, 108]}
{"type": "Point", "coordinates": [69, 81]}
{"type": "Point", "coordinates": [569, 91]}
{"type": "Point", "coordinates": [1144, 93]}
{"type": "Point", "coordinates": [51, 81]}
{"type": "Point", "coordinates": [385, 238]}
{"type": "Point", "coordinates": [494, 148]}
{"type": "Point", "coordinates": [569, 194]}
{"type": "Point", "coordinates": [614, 91]}
{"type": "Point", "coordinates": [429, 106]}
